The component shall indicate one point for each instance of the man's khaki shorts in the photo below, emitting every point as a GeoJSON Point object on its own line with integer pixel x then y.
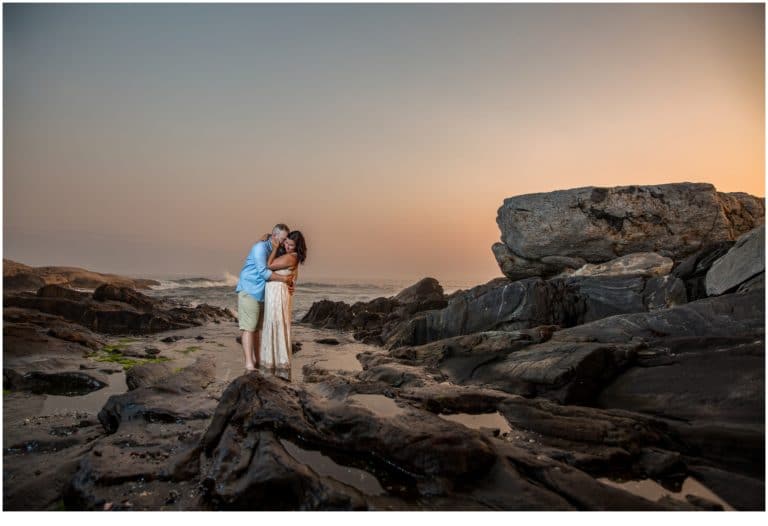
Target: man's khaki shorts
{"type": "Point", "coordinates": [250, 312]}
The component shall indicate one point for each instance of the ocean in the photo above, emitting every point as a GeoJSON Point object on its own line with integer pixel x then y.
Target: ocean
{"type": "Point", "coordinates": [221, 292]}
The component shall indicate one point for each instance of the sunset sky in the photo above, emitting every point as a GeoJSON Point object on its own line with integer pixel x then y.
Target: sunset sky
{"type": "Point", "coordinates": [161, 140]}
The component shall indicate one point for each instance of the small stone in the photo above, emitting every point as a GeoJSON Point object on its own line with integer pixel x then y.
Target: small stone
{"type": "Point", "coordinates": [173, 495]}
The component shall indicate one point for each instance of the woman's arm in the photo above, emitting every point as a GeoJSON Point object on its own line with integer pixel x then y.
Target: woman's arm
{"type": "Point", "coordinates": [284, 261]}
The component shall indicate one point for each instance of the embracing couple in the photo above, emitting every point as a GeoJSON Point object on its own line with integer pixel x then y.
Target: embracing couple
{"type": "Point", "coordinates": [264, 296]}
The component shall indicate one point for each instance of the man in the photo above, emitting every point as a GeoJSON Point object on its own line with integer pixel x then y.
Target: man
{"type": "Point", "coordinates": [250, 292]}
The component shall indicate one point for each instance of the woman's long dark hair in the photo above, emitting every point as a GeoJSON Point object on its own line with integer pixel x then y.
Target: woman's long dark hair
{"type": "Point", "coordinates": [301, 246]}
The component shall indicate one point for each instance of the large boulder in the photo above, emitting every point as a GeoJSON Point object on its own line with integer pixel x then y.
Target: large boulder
{"type": "Point", "coordinates": [428, 289]}
{"type": "Point", "coordinates": [743, 261]}
{"type": "Point", "coordinates": [545, 233]}
{"type": "Point", "coordinates": [17, 276]}
{"type": "Point", "coordinates": [503, 304]}
{"type": "Point", "coordinates": [701, 365]}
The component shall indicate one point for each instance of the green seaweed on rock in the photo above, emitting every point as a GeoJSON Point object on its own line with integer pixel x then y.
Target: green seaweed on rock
{"type": "Point", "coordinates": [113, 354]}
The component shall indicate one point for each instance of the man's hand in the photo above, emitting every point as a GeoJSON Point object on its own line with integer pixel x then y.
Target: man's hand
{"type": "Point", "coordinates": [290, 281]}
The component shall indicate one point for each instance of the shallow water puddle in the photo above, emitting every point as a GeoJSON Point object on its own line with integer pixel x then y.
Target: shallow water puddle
{"type": "Point", "coordinates": [325, 466]}
{"type": "Point", "coordinates": [378, 404]}
{"type": "Point", "coordinates": [653, 491]}
{"type": "Point", "coordinates": [91, 402]}
{"type": "Point", "coordinates": [490, 420]}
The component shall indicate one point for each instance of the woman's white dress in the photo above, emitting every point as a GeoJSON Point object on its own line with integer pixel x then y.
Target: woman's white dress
{"type": "Point", "coordinates": [275, 351]}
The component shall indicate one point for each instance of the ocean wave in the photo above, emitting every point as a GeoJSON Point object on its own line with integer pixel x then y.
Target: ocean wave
{"type": "Point", "coordinates": [228, 280]}
{"type": "Point", "coordinates": [343, 286]}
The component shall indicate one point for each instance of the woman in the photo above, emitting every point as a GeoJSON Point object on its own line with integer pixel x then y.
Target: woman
{"type": "Point", "coordinates": [275, 351]}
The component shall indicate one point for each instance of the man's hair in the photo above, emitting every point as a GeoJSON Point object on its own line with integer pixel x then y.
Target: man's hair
{"type": "Point", "coordinates": [280, 227]}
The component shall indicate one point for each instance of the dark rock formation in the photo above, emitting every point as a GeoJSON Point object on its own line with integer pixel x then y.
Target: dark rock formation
{"type": "Point", "coordinates": [500, 304]}
{"type": "Point", "coordinates": [422, 461]}
{"type": "Point", "coordinates": [61, 384]}
{"type": "Point", "coordinates": [693, 269]}
{"type": "Point", "coordinates": [162, 397]}
{"type": "Point", "coordinates": [699, 366]}
{"type": "Point", "coordinates": [17, 276]}
{"type": "Point", "coordinates": [742, 262]}
{"type": "Point", "coordinates": [115, 310]}
{"type": "Point", "coordinates": [152, 434]}
{"type": "Point", "coordinates": [370, 320]}
{"type": "Point", "coordinates": [545, 233]}
{"type": "Point", "coordinates": [510, 305]}
{"type": "Point", "coordinates": [428, 289]}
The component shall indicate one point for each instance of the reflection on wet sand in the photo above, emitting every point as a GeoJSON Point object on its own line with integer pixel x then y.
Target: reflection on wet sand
{"type": "Point", "coordinates": [323, 465]}
{"type": "Point", "coordinates": [488, 420]}
{"type": "Point", "coordinates": [379, 404]}
{"type": "Point", "coordinates": [653, 491]}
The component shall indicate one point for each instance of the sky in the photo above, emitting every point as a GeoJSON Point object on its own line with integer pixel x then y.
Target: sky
{"type": "Point", "coordinates": [162, 140]}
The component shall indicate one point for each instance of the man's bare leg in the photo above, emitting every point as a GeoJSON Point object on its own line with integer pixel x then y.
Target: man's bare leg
{"type": "Point", "coordinates": [247, 341]}
{"type": "Point", "coordinates": [255, 348]}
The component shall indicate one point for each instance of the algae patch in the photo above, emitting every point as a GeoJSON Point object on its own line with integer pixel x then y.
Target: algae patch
{"type": "Point", "coordinates": [188, 350]}
{"type": "Point", "coordinates": [113, 354]}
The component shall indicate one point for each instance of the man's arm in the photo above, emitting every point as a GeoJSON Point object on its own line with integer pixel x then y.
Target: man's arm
{"type": "Point", "coordinates": [260, 259]}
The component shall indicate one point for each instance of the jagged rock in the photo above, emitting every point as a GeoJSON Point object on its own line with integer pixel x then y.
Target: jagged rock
{"type": "Point", "coordinates": [370, 320]}
{"type": "Point", "coordinates": [693, 269]}
{"type": "Point", "coordinates": [115, 310]}
{"type": "Point", "coordinates": [147, 374]}
{"type": "Point", "coordinates": [166, 399]}
{"type": "Point", "coordinates": [599, 224]}
{"type": "Point", "coordinates": [17, 276]}
{"type": "Point", "coordinates": [428, 289]}
{"type": "Point", "coordinates": [42, 345]}
{"type": "Point", "coordinates": [417, 456]}
{"type": "Point", "coordinates": [701, 365]}
{"type": "Point", "coordinates": [83, 337]}
{"type": "Point", "coordinates": [743, 493]}
{"type": "Point", "coordinates": [510, 305]}
{"type": "Point", "coordinates": [57, 291]}
{"type": "Point", "coordinates": [136, 299]}
{"type": "Point", "coordinates": [62, 384]}
{"type": "Point", "coordinates": [742, 262]}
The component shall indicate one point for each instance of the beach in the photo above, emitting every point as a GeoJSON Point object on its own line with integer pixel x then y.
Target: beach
{"type": "Point", "coordinates": [581, 379]}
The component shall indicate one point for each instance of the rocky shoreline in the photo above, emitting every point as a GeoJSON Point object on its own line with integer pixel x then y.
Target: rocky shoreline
{"type": "Point", "coordinates": [625, 342]}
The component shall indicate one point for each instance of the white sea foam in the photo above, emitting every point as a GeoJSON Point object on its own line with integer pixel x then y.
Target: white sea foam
{"type": "Point", "coordinates": [228, 280]}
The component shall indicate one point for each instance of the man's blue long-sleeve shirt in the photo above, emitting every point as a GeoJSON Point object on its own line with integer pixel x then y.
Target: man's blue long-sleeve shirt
{"type": "Point", "coordinates": [254, 276]}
